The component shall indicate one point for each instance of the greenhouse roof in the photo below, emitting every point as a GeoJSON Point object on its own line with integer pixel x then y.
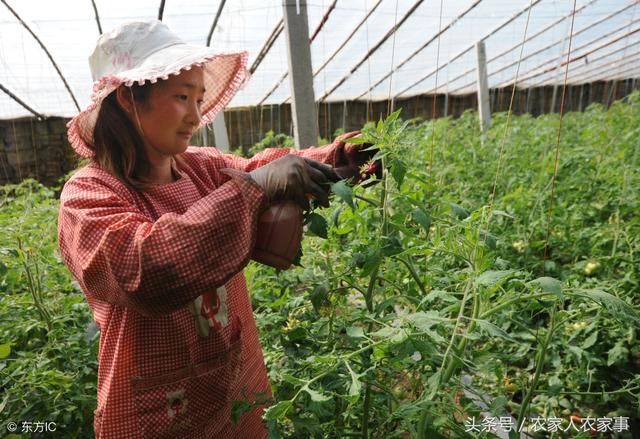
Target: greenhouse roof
{"type": "Point", "coordinates": [361, 49]}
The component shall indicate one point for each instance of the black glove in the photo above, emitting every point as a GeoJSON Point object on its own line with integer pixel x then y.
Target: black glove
{"type": "Point", "coordinates": [292, 178]}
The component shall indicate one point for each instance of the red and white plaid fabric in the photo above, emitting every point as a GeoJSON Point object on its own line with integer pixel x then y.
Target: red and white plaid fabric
{"type": "Point", "coordinates": [162, 273]}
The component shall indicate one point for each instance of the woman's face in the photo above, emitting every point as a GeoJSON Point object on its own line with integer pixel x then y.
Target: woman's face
{"type": "Point", "coordinates": [172, 113]}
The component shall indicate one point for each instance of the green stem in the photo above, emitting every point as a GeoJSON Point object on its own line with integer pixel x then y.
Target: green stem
{"type": "Point", "coordinates": [611, 392]}
{"type": "Point", "coordinates": [366, 404]}
{"type": "Point", "coordinates": [445, 374]}
{"type": "Point", "coordinates": [366, 200]}
{"type": "Point", "coordinates": [341, 359]}
{"type": "Point", "coordinates": [40, 295]}
{"type": "Point", "coordinates": [355, 287]}
{"type": "Point", "coordinates": [365, 411]}
{"type": "Point", "coordinates": [33, 286]}
{"type": "Point", "coordinates": [369, 300]}
{"type": "Point", "coordinates": [542, 353]}
{"type": "Point", "coordinates": [339, 411]}
{"type": "Point", "coordinates": [414, 274]}
{"type": "Point", "coordinates": [462, 344]}
{"type": "Point", "coordinates": [368, 297]}
{"type": "Point", "coordinates": [459, 319]}
{"type": "Point", "coordinates": [616, 233]}
{"type": "Point", "coordinates": [520, 299]}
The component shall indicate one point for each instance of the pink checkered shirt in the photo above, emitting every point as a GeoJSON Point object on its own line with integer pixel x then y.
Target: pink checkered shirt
{"type": "Point", "coordinates": [162, 273]}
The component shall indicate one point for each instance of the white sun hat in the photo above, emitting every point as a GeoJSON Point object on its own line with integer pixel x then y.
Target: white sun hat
{"type": "Point", "coordinates": [149, 51]}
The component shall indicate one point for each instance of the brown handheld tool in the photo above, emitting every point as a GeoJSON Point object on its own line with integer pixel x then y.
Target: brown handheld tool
{"type": "Point", "coordinates": [279, 235]}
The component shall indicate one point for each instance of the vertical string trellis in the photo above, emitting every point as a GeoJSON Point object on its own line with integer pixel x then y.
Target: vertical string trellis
{"type": "Point", "coordinates": [390, 103]}
{"type": "Point", "coordinates": [367, 391]}
{"type": "Point", "coordinates": [467, 49]}
{"type": "Point", "coordinates": [368, 102]}
{"type": "Point", "coordinates": [485, 225]}
{"type": "Point", "coordinates": [508, 122]}
{"type": "Point", "coordinates": [557, 151]}
{"type": "Point", "coordinates": [435, 99]}
{"type": "Point", "coordinates": [541, 357]}
{"type": "Point", "coordinates": [447, 368]}
{"type": "Point", "coordinates": [327, 114]}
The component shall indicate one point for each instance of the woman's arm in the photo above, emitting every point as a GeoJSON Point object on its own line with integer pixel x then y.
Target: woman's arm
{"type": "Point", "coordinates": [121, 256]}
{"type": "Point", "coordinates": [339, 154]}
{"type": "Point", "coordinates": [324, 154]}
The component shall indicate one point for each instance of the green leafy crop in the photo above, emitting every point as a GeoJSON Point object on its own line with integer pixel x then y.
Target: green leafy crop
{"type": "Point", "coordinates": [458, 286]}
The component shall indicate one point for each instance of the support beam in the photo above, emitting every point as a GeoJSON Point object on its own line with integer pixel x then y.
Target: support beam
{"type": "Point", "coordinates": [161, 10]}
{"type": "Point", "coordinates": [267, 46]}
{"type": "Point", "coordinates": [95, 11]}
{"type": "Point", "coordinates": [46, 51]}
{"type": "Point", "coordinates": [325, 18]}
{"type": "Point", "coordinates": [303, 108]}
{"type": "Point", "coordinates": [220, 137]}
{"type": "Point", "coordinates": [435, 37]}
{"type": "Point", "coordinates": [508, 51]}
{"type": "Point", "coordinates": [371, 51]}
{"type": "Point", "coordinates": [22, 103]}
{"type": "Point", "coordinates": [533, 74]}
{"type": "Point", "coordinates": [597, 70]}
{"type": "Point", "coordinates": [483, 87]}
{"type": "Point", "coordinates": [468, 49]}
{"type": "Point", "coordinates": [215, 22]}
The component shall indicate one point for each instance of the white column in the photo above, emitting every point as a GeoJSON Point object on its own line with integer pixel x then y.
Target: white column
{"type": "Point", "coordinates": [221, 139]}
{"type": "Point", "coordinates": [483, 87]}
{"type": "Point", "coordinates": [303, 108]}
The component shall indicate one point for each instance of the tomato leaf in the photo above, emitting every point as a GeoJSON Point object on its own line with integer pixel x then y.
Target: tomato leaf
{"type": "Point", "coordinates": [355, 332]}
{"type": "Point", "coordinates": [459, 211]}
{"type": "Point", "coordinates": [315, 395]}
{"type": "Point", "coordinates": [590, 341]}
{"type": "Point", "coordinates": [357, 140]}
{"type": "Point", "coordinates": [319, 296]}
{"type": "Point", "coordinates": [398, 171]}
{"type": "Point", "coordinates": [617, 354]}
{"type": "Point", "coordinates": [493, 330]}
{"type": "Point", "coordinates": [355, 385]}
{"type": "Point", "coordinates": [421, 217]}
{"type": "Point", "coordinates": [492, 277]}
{"type": "Point", "coordinates": [317, 225]}
{"type": "Point", "coordinates": [278, 411]}
{"type": "Point", "coordinates": [344, 192]}
{"type": "Point", "coordinates": [616, 306]}
{"type": "Point", "coordinates": [549, 285]}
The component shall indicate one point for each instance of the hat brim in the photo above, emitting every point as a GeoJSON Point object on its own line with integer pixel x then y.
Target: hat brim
{"type": "Point", "coordinates": [224, 75]}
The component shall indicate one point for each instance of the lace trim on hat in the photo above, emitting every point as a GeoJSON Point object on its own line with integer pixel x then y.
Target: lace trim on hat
{"type": "Point", "coordinates": [108, 83]}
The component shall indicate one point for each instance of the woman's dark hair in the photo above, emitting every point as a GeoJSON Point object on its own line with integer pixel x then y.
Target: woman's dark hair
{"type": "Point", "coordinates": [117, 143]}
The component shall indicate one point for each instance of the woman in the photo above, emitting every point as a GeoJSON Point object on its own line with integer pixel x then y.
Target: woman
{"type": "Point", "coordinates": [157, 234]}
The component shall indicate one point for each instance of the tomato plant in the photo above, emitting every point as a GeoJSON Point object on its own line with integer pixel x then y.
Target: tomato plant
{"type": "Point", "coordinates": [458, 285]}
{"type": "Point", "coordinates": [48, 359]}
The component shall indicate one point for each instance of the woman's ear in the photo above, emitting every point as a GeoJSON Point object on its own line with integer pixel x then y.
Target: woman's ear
{"type": "Point", "coordinates": [123, 97]}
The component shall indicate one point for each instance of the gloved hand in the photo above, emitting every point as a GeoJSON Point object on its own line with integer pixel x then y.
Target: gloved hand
{"type": "Point", "coordinates": [350, 159]}
{"type": "Point", "coordinates": [292, 178]}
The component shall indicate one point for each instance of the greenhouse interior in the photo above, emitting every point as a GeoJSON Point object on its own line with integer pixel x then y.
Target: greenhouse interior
{"type": "Point", "coordinates": [463, 263]}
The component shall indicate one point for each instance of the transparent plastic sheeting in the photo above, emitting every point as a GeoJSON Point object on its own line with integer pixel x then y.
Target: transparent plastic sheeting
{"type": "Point", "coordinates": [604, 45]}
